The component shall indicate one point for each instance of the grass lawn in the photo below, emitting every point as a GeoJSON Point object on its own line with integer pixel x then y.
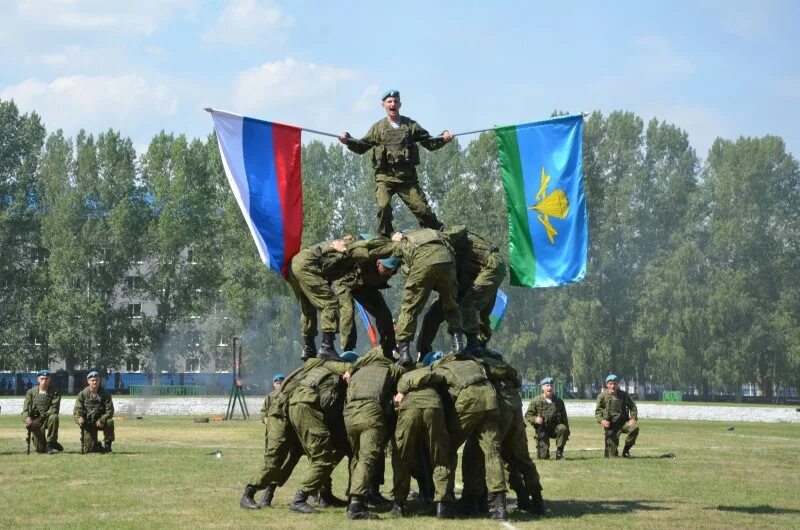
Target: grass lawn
{"type": "Point", "coordinates": [163, 474]}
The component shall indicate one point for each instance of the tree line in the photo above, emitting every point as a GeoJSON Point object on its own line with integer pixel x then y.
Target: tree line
{"type": "Point", "coordinates": [692, 279]}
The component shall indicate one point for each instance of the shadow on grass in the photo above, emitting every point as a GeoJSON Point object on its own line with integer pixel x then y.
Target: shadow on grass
{"type": "Point", "coordinates": [764, 509]}
{"type": "Point", "coordinates": [600, 456]}
{"type": "Point", "coordinates": [566, 508]}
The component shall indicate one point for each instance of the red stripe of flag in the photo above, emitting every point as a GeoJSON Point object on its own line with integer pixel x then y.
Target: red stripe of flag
{"type": "Point", "coordinates": [286, 147]}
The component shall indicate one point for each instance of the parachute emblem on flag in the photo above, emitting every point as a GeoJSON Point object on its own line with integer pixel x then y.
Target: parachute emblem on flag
{"type": "Point", "coordinates": [555, 204]}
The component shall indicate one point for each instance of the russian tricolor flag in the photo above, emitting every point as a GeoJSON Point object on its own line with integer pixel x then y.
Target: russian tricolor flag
{"type": "Point", "coordinates": [262, 162]}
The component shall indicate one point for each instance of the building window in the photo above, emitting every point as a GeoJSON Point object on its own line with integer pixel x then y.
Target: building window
{"type": "Point", "coordinates": [133, 282]}
{"type": "Point", "coordinates": [190, 257]}
{"type": "Point", "coordinates": [193, 338]}
{"type": "Point", "coordinates": [133, 364]}
{"type": "Point", "coordinates": [133, 337]}
{"type": "Point", "coordinates": [135, 310]}
{"type": "Point", "coordinates": [192, 365]}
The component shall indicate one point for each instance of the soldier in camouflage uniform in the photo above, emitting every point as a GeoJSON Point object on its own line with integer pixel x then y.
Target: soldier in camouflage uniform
{"type": "Point", "coordinates": [395, 156]}
{"type": "Point", "coordinates": [523, 476]}
{"type": "Point", "coordinates": [367, 411]}
{"type": "Point", "coordinates": [40, 412]}
{"type": "Point", "coordinates": [475, 403]}
{"type": "Point", "coordinates": [363, 285]}
{"type": "Point", "coordinates": [617, 413]}
{"type": "Point", "coordinates": [93, 412]}
{"type": "Point", "coordinates": [429, 265]}
{"type": "Point", "coordinates": [480, 271]}
{"type": "Point", "coordinates": [421, 438]}
{"type": "Point", "coordinates": [300, 413]}
{"type": "Point", "coordinates": [266, 419]}
{"type": "Point", "coordinates": [548, 416]}
{"type": "Point", "coordinates": [310, 274]}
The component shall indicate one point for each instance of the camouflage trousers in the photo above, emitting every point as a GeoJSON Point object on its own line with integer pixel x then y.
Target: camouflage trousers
{"type": "Point", "coordinates": [46, 433]}
{"type": "Point", "coordinates": [91, 436]}
{"type": "Point", "coordinates": [374, 304]}
{"type": "Point", "coordinates": [421, 444]}
{"type": "Point", "coordinates": [311, 289]}
{"type": "Point", "coordinates": [543, 434]}
{"type": "Point", "coordinates": [420, 281]}
{"type": "Point", "coordinates": [516, 459]}
{"type": "Point", "coordinates": [412, 196]}
{"type": "Point", "coordinates": [612, 437]}
{"type": "Point", "coordinates": [484, 430]}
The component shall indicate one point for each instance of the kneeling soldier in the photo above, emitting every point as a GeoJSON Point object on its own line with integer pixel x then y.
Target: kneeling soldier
{"type": "Point", "coordinates": [40, 411]}
{"type": "Point", "coordinates": [548, 416]}
{"type": "Point", "coordinates": [93, 412]}
{"type": "Point", "coordinates": [616, 412]}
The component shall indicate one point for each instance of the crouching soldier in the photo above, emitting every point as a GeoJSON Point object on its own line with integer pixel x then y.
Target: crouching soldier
{"type": "Point", "coordinates": [40, 411]}
{"type": "Point", "coordinates": [616, 412]}
{"type": "Point", "coordinates": [93, 412]}
{"type": "Point", "coordinates": [548, 416]}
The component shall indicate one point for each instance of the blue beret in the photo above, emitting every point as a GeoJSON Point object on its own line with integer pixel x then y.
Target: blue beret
{"type": "Point", "coordinates": [349, 356]}
{"type": "Point", "coordinates": [390, 263]}
{"type": "Point", "coordinates": [43, 373]}
{"type": "Point", "coordinates": [611, 377]}
{"type": "Point", "coordinates": [431, 357]}
{"type": "Point", "coordinates": [393, 93]}
{"type": "Point", "coordinates": [92, 374]}
{"type": "Point", "coordinates": [546, 380]}
{"type": "Point", "coordinates": [278, 377]}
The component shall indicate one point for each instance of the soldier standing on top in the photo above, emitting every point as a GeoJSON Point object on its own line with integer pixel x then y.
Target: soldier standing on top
{"type": "Point", "coordinates": [395, 156]}
{"type": "Point", "coordinates": [93, 412]}
{"type": "Point", "coordinates": [40, 411]}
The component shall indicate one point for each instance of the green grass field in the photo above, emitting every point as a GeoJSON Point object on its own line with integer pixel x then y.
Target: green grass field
{"type": "Point", "coordinates": [163, 475]}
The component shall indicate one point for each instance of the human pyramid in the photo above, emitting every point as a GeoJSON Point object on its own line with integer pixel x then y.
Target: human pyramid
{"type": "Point", "coordinates": [425, 408]}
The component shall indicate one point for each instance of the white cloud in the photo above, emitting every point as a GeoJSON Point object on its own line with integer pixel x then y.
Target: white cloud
{"type": "Point", "coordinates": [142, 17]}
{"type": "Point", "coordinates": [657, 59]}
{"type": "Point", "coordinates": [248, 21]}
{"type": "Point", "coordinates": [703, 124]}
{"type": "Point", "coordinates": [287, 81]}
{"type": "Point", "coordinates": [93, 102]}
{"type": "Point", "coordinates": [369, 99]}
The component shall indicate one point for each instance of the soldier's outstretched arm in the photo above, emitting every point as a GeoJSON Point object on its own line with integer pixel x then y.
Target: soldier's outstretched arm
{"type": "Point", "coordinates": [362, 145]}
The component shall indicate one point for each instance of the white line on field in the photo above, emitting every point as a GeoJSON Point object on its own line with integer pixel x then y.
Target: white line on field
{"type": "Point", "coordinates": [508, 525]}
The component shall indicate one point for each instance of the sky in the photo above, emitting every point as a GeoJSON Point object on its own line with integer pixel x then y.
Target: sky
{"type": "Point", "coordinates": [723, 68]}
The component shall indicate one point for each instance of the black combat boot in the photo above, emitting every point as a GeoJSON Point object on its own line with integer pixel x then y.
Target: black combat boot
{"type": "Point", "coordinates": [468, 505]}
{"type": "Point", "coordinates": [537, 506]}
{"type": "Point", "coordinates": [458, 343]}
{"type": "Point", "coordinates": [405, 357]}
{"type": "Point", "coordinates": [357, 510]}
{"type": "Point", "coordinates": [398, 510]}
{"type": "Point", "coordinates": [327, 350]}
{"type": "Point", "coordinates": [266, 499]}
{"type": "Point", "coordinates": [499, 512]}
{"type": "Point", "coordinates": [247, 500]}
{"type": "Point", "coordinates": [300, 505]}
{"type": "Point", "coordinates": [107, 447]}
{"type": "Point", "coordinates": [523, 500]}
{"type": "Point", "coordinates": [626, 451]}
{"type": "Point", "coordinates": [57, 446]}
{"type": "Point", "coordinates": [444, 510]}
{"type": "Point", "coordinates": [559, 453]}
{"type": "Point", "coordinates": [309, 348]}
{"type": "Point", "coordinates": [473, 347]}
{"type": "Point", "coordinates": [328, 500]}
{"type": "Point", "coordinates": [375, 499]}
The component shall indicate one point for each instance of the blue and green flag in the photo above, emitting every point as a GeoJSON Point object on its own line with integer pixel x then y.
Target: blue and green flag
{"type": "Point", "coordinates": [542, 167]}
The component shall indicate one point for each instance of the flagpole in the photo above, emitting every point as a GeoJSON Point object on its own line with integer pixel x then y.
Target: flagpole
{"type": "Point", "coordinates": [323, 133]}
